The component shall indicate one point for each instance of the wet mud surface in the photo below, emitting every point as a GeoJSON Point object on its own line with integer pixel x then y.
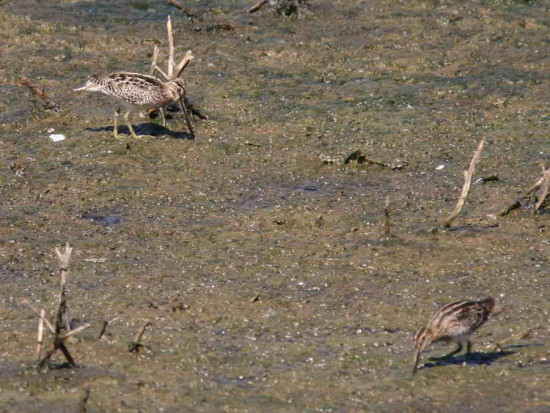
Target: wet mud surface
{"type": "Point", "coordinates": [253, 250]}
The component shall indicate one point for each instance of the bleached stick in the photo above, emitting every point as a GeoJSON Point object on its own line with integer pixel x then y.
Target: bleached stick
{"type": "Point", "coordinates": [156, 52]}
{"type": "Point", "coordinates": [545, 186]}
{"type": "Point", "coordinates": [170, 48]}
{"type": "Point", "coordinates": [468, 175]}
{"type": "Point", "coordinates": [42, 317]}
{"type": "Point", "coordinates": [184, 62]}
{"type": "Point", "coordinates": [40, 333]}
{"type": "Point", "coordinates": [75, 331]}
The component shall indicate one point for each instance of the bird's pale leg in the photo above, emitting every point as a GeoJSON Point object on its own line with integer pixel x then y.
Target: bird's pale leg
{"type": "Point", "coordinates": [184, 110]}
{"type": "Point", "coordinates": [115, 126]}
{"type": "Point", "coordinates": [162, 116]}
{"type": "Point", "coordinates": [127, 119]}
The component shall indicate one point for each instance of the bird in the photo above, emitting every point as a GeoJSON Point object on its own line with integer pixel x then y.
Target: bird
{"type": "Point", "coordinates": [138, 92]}
{"type": "Point", "coordinates": [454, 322]}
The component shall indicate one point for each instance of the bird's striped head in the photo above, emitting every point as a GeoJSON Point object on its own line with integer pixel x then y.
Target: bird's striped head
{"type": "Point", "coordinates": [175, 90]}
{"type": "Point", "coordinates": [422, 339]}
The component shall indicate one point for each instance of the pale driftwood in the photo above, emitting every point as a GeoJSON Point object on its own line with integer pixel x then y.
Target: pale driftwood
{"type": "Point", "coordinates": [170, 48]}
{"type": "Point", "coordinates": [187, 58]}
{"type": "Point", "coordinates": [40, 333]}
{"type": "Point", "coordinates": [468, 175]}
{"type": "Point", "coordinates": [172, 71]}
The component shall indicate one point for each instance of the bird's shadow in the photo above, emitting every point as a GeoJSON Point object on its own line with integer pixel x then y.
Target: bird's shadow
{"type": "Point", "coordinates": [145, 129]}
{"type": "Point", "coordinates": [473, 358]}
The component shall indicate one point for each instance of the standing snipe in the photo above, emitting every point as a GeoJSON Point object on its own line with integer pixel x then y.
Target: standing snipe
{"type": "Point", "coordinates": [453, 322]}
{"type": "Point", "coordinates": [139, 92]}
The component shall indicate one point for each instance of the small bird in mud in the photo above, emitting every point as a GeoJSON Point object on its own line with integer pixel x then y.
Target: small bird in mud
{"type": "Point", "coordinates": [453, 322]}
{"type": "Point", "coordinates": [139, 92]}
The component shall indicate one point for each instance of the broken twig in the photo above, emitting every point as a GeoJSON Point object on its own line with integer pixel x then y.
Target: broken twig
{"type": "Point", "coordinates": [103, 329]}
{"type": "Point", "coordinates": [468, 175]}
{"type": "Point", "coordinates": [257, 6]}
{"type": "Point", "coordinates": [84, 401]}
{"type": "Point", "coordinates": [135, 346]}
{"type": "Point", "coordinates": [178, 5]}
{"type": "Point", "coordinates": [387, 225]}
{"type": "Point", "coordinates": [528, 193]}
{"type": "Point", "coordinates": [61, 317]}
{"type": "Point", "coordinates": [40, 93]}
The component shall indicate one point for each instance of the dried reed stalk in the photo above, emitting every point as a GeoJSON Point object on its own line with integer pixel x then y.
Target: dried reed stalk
{"type": "Point", "coordinates": [468, 175]}
{"type": "Point", "coordinates": [61, 318]}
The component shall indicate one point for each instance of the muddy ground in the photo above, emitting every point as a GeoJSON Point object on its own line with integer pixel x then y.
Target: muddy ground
{"type": "Point", "coordinates": [259, 262]}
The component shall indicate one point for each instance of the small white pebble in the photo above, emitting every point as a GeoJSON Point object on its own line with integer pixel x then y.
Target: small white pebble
{"type": "Point", "coordinates": [56, 137]}
{"type": "Point", "coordinates": [440, 167]}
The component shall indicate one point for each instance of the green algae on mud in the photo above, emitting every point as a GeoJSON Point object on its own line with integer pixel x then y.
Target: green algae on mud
{"type": "Point", "coordinates": [186, 233]}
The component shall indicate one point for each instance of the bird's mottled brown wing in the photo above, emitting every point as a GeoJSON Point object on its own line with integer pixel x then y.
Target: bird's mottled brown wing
{"type": "Point", "coordinates": [134, 88]}
{"type": "Point", "coordinates": [462, 317]}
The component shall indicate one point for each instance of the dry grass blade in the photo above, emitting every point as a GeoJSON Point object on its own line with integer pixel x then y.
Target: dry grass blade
{"type": "Point", "coordinates": [468, 175]}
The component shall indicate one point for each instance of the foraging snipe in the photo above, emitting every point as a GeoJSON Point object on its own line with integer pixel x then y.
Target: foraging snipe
{"type": "Point", "coordinates": [453, 322]}
{"type": "Point", "coordinates": [139, 92]}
